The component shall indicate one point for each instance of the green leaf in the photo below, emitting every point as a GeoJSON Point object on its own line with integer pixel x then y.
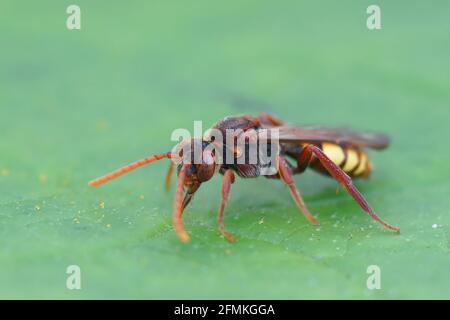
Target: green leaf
{"type": "Point", "coordinates": [76, 104]}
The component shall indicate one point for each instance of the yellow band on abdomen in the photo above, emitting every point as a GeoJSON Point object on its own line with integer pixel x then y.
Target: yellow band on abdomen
{"type": "Point", "coordinates": [363, 164]}
{"type": "Point", "coordinates": [334, 152]}
{"type": "Point", "coordinates": [352, 160]}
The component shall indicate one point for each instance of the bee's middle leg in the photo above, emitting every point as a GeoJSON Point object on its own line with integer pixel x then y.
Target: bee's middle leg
{"type": "Point", "coordinates": [228, 179]}
{"type": "Point", "coordinates": [286, 175]}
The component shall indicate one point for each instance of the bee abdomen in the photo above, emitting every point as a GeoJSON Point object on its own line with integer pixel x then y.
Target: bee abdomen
{"type": "Point", "coordinates": [353, 161]}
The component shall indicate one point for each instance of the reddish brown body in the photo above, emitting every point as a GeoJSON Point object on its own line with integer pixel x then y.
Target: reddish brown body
{"type": "Point", "coordinates": [335, 152]}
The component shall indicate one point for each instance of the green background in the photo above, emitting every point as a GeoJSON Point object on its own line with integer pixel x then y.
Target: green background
{"type": "Point", "coordinates": [77, 104]}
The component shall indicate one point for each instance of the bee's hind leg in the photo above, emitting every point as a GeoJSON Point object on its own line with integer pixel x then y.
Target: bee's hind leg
{"type": "Point", "coordinates": [340, 176]}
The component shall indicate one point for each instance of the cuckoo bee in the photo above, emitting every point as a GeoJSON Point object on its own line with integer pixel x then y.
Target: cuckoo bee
{"type": "Point", "coordinates": [337, 153]}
